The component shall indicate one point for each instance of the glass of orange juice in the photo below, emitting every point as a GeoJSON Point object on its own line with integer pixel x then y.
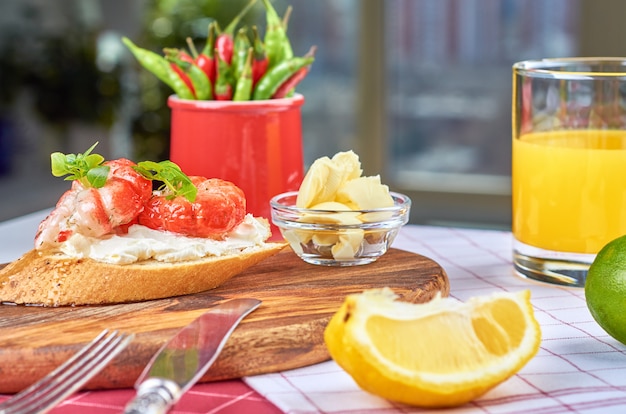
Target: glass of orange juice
{"type": "Point", "coordinates": [569, 164]}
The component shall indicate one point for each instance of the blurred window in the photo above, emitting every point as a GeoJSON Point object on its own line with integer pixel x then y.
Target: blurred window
{"type": "Point", "coordinates": [448, 69]}
{"type": "Point", "coordinates": [421, 89]}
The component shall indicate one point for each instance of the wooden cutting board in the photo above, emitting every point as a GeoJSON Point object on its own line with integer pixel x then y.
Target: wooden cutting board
{"type": "Point", "coordinates": [285, 332]}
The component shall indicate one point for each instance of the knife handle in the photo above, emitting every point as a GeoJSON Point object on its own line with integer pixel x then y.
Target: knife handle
{"type": "Point", "coordinates": [154, 396]}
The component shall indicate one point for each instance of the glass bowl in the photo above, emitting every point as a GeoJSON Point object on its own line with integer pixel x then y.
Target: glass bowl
{"type": "Point", "coordinates": [339, 238]}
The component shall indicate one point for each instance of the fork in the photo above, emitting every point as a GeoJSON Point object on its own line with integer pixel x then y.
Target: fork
{"type": "Point", "coordinates": [45, 394]}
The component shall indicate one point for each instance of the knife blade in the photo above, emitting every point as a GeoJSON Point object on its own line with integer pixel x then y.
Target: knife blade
{"type": "Point", "coordinates": [182, 361]}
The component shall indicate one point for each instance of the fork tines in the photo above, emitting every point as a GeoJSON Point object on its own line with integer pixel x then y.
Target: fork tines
{"type": "Point", "coordinates": [45, 394]}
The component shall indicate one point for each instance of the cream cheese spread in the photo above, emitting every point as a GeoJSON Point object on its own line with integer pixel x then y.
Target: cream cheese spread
{"type": "Point", "coordinates": [142, 243]}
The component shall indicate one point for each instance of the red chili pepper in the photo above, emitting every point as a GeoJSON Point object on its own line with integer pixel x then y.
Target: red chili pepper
{"type": "Point", "coordinates": [290, 84]}
{"type": "Point", "coordinates": [184, 56]}
{"type": "Point", "coordinates": [224, 45]}
{"type": "Point", "coordinates": [206, 59]}
{"type": "Point", "coordinates": [260, 61]}
{"type": "Point", "coordinates": [201, 85]}
{"type": "Point", "coordinates": [225, 42]}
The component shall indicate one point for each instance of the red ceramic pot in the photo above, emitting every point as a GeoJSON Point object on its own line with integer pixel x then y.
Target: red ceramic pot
{"type": "Point", "coordinates": [255, 144]}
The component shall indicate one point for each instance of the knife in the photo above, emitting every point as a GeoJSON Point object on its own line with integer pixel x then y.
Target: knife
{"type": "Point", "coordinates": [182, 361]}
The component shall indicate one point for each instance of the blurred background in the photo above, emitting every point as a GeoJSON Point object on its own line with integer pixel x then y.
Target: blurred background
{"type": "Point", "coordinates": [420, 89]}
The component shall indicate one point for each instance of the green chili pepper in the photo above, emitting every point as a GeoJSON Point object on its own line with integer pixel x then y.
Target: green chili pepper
{"type": "Point", "coordinates": [160, 67]}
{"type": "Point", "coordinates": [199, 79]}
{"type": "Point", "coordinates": [277, 75]}
{"type": "Point", "coordinates": [277, 44]}
{"type": "Point", "coordinates": [243, 90]}
{"type": "Point", "coordinates": [224, 80]}
{"type": "Point", "coordinates": [240, 53]}
{"type": "Point", "coordinates": [288, 88]}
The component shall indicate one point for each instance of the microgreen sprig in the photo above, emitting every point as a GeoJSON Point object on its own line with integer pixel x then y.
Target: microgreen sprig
{"type": "Point", "coordinates": [176, 181]}
{"type": "Point", "coordinates": [87, 168]}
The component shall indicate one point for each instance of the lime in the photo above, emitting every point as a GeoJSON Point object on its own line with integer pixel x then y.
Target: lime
{"type": "Point", "coordinates": [605, 289]}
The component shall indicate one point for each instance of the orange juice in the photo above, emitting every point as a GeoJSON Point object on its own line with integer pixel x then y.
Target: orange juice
{"type": "Point", "coordinates": [569, 189]}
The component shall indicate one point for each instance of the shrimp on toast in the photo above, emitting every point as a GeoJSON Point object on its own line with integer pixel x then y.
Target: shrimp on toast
{"type": "Point", "coordinates": [219, 206]}
{"type": "Point", "coordinates": [96, 210]}
{"type": "Point", "coordinates": [114, 231]}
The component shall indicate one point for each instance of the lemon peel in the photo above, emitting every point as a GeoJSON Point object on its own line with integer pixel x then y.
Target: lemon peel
{"type": "Point", "coordinates": [438, 354]}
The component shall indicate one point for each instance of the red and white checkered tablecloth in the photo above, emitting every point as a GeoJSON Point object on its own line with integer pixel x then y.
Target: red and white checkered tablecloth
{"type": "Point", "coordinates": [225, 397]}
{"type": "Point", "coordinates": [578, 369]}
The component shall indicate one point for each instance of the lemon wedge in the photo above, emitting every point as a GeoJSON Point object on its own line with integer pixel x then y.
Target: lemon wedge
{"type": "Point", "coordinates": [438, 354]}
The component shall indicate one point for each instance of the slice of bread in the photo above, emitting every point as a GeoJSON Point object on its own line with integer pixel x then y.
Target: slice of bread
{"type": "Point", "coordinates": [54, 279]}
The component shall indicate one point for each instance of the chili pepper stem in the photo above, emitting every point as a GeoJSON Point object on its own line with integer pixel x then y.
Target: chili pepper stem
{"type": "Point", "coordinates": [311, 51]}
{"type": "Point", "coordinates": [210, 41]}
{"type": "Point", "coordinates": [286, 17]}
{"type": "Point", "coordinates": [230, 29]}
{"type": "Point", "coordinates": [192, 48]}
